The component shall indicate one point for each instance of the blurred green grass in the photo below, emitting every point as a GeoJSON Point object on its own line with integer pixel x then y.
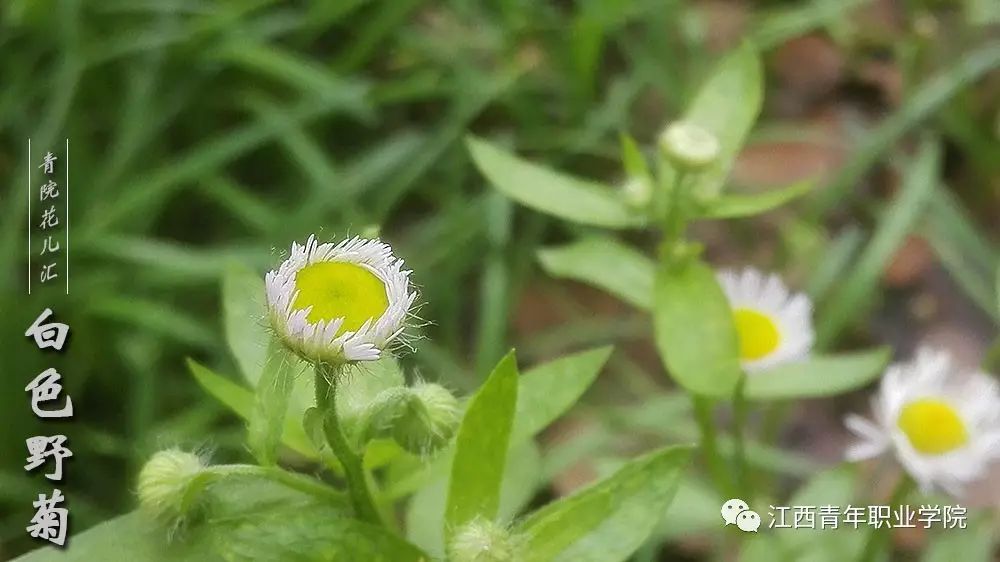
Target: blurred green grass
{"type": "Point", "coordinates": [205, 133]}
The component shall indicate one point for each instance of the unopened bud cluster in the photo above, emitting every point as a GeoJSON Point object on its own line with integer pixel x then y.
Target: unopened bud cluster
{"type": "Point", "coordinates": [421, 419]}
{"type": "Point", "coordinates": [165, 481]}
{"type": "Point", "coordinates": [689, 146]}
{"type": "Point", "coordinates": [482, 540]}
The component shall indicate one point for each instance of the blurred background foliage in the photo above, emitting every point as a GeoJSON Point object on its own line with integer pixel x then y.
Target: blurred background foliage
{"type": "Point", "coordinates": [205, 133]}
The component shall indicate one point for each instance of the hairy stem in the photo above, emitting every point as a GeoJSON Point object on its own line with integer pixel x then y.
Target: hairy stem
{"type": "Point", "coordinates": [354, 471]}
{"type": "Point", "coordinates": [292, 480]}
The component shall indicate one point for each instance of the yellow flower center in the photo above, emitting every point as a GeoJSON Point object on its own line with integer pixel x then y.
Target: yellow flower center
{"type": "Point", "coordinates": [757, 332]}
{"type": "Point", "coordinates": [340, 290]}
{"type": "Point", "coordinates": [932, 426]}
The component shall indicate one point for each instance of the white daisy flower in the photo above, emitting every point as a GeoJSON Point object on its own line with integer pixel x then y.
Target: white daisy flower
{"type": "Point", "coordinates": [943, 427]}
{"type": "Point", "coordinates": [773, 324]}
{"type": "Point", "coordinates": [339, 303]}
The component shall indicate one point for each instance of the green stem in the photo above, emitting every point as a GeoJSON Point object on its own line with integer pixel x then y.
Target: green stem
{"type": "Point", "coordinates": [354, 470]}
{"type": "Point", "coordinates": [675, 221]}
{"type": "Point", "coordinates": [709, 445]}
{"type": "Point", "coordinates": [775, 414]}
{"type": "Point", "coordinates": [740, 467]}
{"type": "Point", "coordinates": [879, 537]}
{"type": "Point", "coordinates": [292, 480]}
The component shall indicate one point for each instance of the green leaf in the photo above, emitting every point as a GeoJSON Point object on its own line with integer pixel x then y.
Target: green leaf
{"type": "Point", "coordinates": [632, 159]}
{"type": "Point", "coordinates": [833, 486]}
{"type": "Point", "coordinates": [855, 291]}
{"type": "Point", "coordinates": [246, 513]}
{"type": "Point", "coordinates": [551, 192]}
{"type": "Point", "coordinates": [694, 329]}
{"type": "Point", "coordinates": [481, 448]}
{"type": "Point", "coordinates": [299, 531]}
{"type": "Point", "coordinates": [133, 536]}
{"type": "Point", "coordinates": [607, 521]}
{"type": "Point", "coordinates": [694, 509]}
{"type": "Point", "coordinates": [313, 534]}
{"type": "Point", "coordinates": [546, 391]}
{"type": "Point", "coordinates": [924, 100]}
{"type": "Point", "coordinates": [267, 420]}
{"type": "Point", "coordinates": [304, 74]}
{"type": "Point", "coordinates": [361, 385]}
{"type": "Point", "coordinates": [153, 317]}
{"type": "Point", "coordinates": [776, 26]}
{"type": "Point", "coordinates": [731, 205]}
{"type": "Point", "coordinates": [818, 376]}
{"type": "Point", "coordinates": [244, 320]}
{"type": "Point", "coordinates": [604, 263]}
{"type": "Point", "coordinates": [241, 401]}
{"type": "Point", "coordinates": [762, 548]}
{"type": "Point", "coordinates": [426, 508]}
{"type": "Point", "coordinates": [962, 248]}
{"type": "Point", "coordinates": [727, 105]}
{"type": "Point", "coordinates": [976, 543]}
{"type": "Point", "coordinates": [835, 258]}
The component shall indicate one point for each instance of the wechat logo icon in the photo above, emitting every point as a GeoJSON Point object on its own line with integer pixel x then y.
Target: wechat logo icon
{"type": "Point", "coordinates": [737, 512]}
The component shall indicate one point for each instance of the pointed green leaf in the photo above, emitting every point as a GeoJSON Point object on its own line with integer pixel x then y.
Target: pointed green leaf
{"type": "Point", "coordinates": [606, 264]}
{"type": "Point", "coordinates": [609, 520]}
{"type": "Point", "coordinates": [727, 105]}
{"type": "Point", "coordinates": [823, 375]}
{"type": "Point", "coordinates": [267, 420]}
{"type": "Point", "coordinates": [481, 448]}
{"type": "Point", "coordinates": [694, 329]}
{"type": "Point", "coordinates": [546, 391]}
{"type": "Point", "coordinates": [551, 192]}
{"type": "Point", "coordinates": [426, 509]}
{"type": "Point", "coordinates": [244, 320]}
{"type": "Point", "coordinates": [241, 401]}
{"type": "Point", "coordinates": [733, 205]}
{"type": "Point", "coordinates": [632, 159]}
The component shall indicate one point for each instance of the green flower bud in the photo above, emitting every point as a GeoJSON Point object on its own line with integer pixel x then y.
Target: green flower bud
{"type": "Point", "coordinates": [689, 146]}
{"type": "Point", "coordinates": [638, 192]}
{"type": "Point", "coordinates": [483, 541]}
{"type": "Point", "coordinates": [165, 483]}
{"type": "Point", "coordinates": [427, 420]}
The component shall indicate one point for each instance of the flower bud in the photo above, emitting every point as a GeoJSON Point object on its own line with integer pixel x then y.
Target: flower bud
{"type": "Point", "coordinates": [482, 540]}
{"type": "Point", "coordinates": [638, 192]}
{"type": "Point", "coordinates": [689, 146]}
{"type": "Point", "coordinates": [426, 421]}
{"type": "Point", "coordinates": [165, 481]}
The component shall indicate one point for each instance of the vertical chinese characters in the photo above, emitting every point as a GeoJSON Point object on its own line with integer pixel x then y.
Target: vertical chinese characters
{"type": "Point", "coordinates": [48, 194]}
{"type": "Point", "coordinates": [50, 522]}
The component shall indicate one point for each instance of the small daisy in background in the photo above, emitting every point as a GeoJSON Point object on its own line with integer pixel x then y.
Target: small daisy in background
{"type": "Point", "coordinates": [943, 426]}
{"type": "Point", "coordinates": [773, 324]}
{"type": "Point", "coordinates": [339, 303]}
